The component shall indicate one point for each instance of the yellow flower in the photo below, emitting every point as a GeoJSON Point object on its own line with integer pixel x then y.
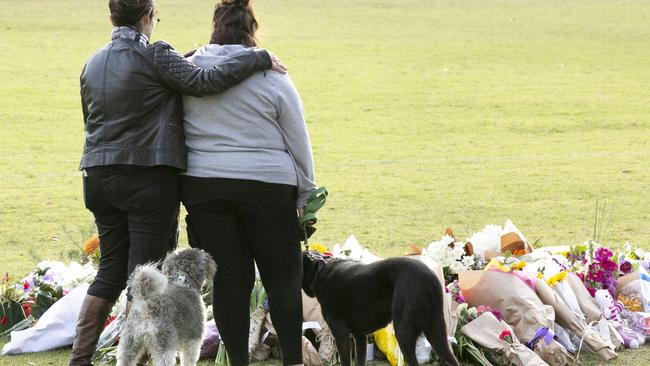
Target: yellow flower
{"type": "Point", "coordinates": [494, 263]}
{"type": "Point", "coordinates": [519, 265]}
{"type": "Point", "coordinates": [540, 275]}
{"type": "Point", "coordinates": [318, 247]}
{"type": "Point", "coordinates": [91, 245]}
{"type": "Point", "coordinates": [558, 277]}
{"type": "Point", "coordinates": [631, 303]}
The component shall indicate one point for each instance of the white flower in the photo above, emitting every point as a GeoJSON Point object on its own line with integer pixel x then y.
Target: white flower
{"type": "Point", "coordinates": [351, 249]}
{"type": "Point", "coordinates": [487, 239]}
{"type": "Point", "coordinates": [468, 261]}
{"type": "Point", "coordinates": [449, 254]}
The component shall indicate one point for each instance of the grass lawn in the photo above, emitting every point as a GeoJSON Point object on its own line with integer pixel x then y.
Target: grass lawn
{"type": "Point", "coordinates": [423, 114]}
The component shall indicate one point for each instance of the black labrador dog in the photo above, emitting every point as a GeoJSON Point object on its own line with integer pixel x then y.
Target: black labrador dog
{"type": "Point", "coordinates": [359, 299]}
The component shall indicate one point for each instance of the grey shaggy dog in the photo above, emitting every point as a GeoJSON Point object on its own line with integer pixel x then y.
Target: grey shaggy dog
{"type": "Point", "coordinates": [167, 312]}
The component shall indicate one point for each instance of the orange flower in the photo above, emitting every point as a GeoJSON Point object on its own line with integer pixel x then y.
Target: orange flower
{"type": "Point", "coordinates": [91, 245]}
{"type": "Point", "coordinates": [519, 252]}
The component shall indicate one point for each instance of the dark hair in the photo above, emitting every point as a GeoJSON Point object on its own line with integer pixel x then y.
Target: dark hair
{"type": "Point", "coordinates": [234, 23]}
{"type": "Point", "coordinates": [128, 12]}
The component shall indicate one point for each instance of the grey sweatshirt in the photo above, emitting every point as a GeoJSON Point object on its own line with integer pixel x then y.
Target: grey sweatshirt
{"type": "Point", "coordinates": [255, 130]}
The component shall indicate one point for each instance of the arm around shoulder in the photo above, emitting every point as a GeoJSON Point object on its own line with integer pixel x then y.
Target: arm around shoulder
{"type": "Point", "coordinates": [177, 73]}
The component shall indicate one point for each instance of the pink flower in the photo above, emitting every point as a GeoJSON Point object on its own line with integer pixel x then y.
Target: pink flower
{"type": "Point", "coordinates": [496, 313]}
{"type": "Point", "coordinates": [609, 265]}
{"type": "Point", "coordinates": [603, 254]}
{"type": "Point", "coordinates": [504, 334]}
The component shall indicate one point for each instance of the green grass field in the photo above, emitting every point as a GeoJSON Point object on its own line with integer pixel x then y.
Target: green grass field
{"type": "Point", "coordinates": [423, 114]}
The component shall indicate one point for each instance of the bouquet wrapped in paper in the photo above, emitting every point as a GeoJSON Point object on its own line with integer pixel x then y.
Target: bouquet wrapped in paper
{"type": "Point", "coordinates": [531, 320]}
{"type": "Point", "coordinates": [590, 309]}
{"type": "Point", "coordinates": [565, 317]}
{"type": "Point", "coordinates": [496, 335]}
{"type": "Point", "coordinates": [494, 241]}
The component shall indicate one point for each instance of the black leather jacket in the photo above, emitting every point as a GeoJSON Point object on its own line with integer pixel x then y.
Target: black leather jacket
{"type": "Point", "coordinates": [131, 99]}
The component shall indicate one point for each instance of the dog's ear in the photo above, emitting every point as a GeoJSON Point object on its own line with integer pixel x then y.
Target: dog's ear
{"type": "Point", "coordinates": [210, 266]}
{"type": "Point", "coordinates": [312, 264]}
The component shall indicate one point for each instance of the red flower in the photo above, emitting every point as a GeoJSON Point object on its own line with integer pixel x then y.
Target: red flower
{"type": "Point", "coordinates": [27, 308]}
{"type": "Point", "coordinates": [25, 285]}
{"type": "Point", "coordinates": [109, 320]}
{"type": "Point", "coordinates": [505, 334]}
{"type": "Point", "coordinates": [4, 321]}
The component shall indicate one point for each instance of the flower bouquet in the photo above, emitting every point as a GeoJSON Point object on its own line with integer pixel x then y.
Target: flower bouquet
{"type": "Point", "coordinates": [531, 320]}
{"type": "Point", "coordinates": [566, 318]}
{"type": "Point", "coordinates": [495, 240]}
{"type": "Point", "coordinates": [497, 336]}
{"type": "Point", "coordinates": [452, 256]}
{"type": "Point", "coordinates": [602, 271]}
{"type": "Point", "coordinates": [465, 348]}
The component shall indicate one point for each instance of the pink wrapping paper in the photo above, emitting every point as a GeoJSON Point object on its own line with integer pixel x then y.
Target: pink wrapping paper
{"type": "Point", "coordinates": [519, 306]}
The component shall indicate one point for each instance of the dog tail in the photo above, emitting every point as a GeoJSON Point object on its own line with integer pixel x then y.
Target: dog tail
{"type": "Point", "coordinates": [436, 330]}
{"type": "Point", "coordinates": [146, 281]}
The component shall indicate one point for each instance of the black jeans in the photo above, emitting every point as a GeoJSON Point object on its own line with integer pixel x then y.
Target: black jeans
{"type": "Point", "coordinates": [136, 212]}
{"type": "Point", "coordinates": [243, 222]}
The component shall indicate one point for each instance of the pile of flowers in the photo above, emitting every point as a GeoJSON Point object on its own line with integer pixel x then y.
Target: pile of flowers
{"type": "Point", "coordinates": [24, 301]}
{"type": "Point", "coordinates": [565, 278]}
{"type": "Point", "coordinates": [452, 255]}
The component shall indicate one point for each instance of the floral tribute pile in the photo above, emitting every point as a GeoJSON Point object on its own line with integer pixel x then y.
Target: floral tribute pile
{"type": "Point", "coordinates": [505, 302]}
{"type": "Point", "coordinates": [511, 303]}
{"type": "Point", "coordinates": [24, 301]}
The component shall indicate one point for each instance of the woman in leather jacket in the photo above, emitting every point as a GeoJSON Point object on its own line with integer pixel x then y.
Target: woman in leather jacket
{"type": "Point", "coordinates": [134, 149]}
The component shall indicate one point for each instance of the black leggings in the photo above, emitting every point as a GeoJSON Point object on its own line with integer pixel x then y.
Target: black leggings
{"type": "Point", "coordinates": [136, 211]}
{"type": "Point", "coordinates": [240, 232]}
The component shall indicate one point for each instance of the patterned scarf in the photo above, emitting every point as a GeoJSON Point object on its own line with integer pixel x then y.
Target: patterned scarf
{"type": "Point", "coordinates": [131, 34]}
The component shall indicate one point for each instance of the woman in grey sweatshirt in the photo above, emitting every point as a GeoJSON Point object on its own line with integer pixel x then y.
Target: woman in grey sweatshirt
{"type": "Point", "coordinates": [249, 168]}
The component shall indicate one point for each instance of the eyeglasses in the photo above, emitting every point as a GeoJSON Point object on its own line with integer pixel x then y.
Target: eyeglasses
{"type": "Point", "coordinates": [155, 14]}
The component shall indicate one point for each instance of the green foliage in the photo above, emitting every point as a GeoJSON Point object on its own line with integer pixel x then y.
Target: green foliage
{"type": "Point", "coordinates": [258, 295]}
{"type": "Point", "coordinates": [11, 313]}
{"type": "Point", "coordinates": [44, 297]}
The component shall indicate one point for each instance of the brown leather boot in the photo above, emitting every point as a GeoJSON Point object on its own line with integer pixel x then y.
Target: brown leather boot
{"type": "Point", "coordinates": [92, 317]}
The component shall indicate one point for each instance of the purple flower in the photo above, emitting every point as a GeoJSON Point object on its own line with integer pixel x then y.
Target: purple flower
{"type": "Point", "coordinates": [603, 254]}
{"type": "Point", "coordinates": [609, 265]}
{"type": "Point", "coordinates": [626, 267]}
